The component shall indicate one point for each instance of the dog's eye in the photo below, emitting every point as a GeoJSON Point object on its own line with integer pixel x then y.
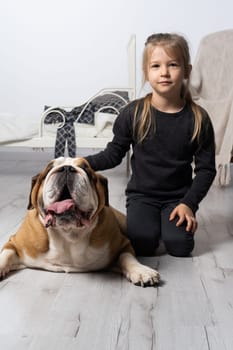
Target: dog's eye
{"type": "Point", "coordinates": [90, 173]}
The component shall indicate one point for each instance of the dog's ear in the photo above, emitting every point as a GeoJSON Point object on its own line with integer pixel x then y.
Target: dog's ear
{"type": "Point", "coordinates": [35, 185]}
{"type": "Point", "coordinates": [104, 183]}
{"type": "Point", "coordinates": [33, 182]}
{"type": "Point", "coordinates": [101, 184]}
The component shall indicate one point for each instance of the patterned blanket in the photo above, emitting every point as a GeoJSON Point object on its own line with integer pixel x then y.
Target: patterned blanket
{"type": "Point", "coordinates": [111, 102]}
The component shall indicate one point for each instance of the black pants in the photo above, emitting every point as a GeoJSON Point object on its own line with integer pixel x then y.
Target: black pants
{"type": "Point", "coordinates": [148, 222]}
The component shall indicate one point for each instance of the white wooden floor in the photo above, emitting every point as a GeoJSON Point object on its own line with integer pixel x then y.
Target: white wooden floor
{"type": "Point", "coordinates": [192, 310]}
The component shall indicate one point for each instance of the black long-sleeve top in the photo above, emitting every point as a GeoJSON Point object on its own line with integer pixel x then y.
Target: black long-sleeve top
{"type": "Point", "coordinates": [162, 163]}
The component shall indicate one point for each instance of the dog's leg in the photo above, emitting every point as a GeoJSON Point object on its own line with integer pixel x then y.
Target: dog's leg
{"type": "Point", "coordinates": [136, 272]}
{"type": "Point", "coordinates": [9, 261]}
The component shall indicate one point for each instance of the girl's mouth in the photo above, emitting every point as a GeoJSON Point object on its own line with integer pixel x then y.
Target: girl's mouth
{"type": "Point", "coordinates": [165, 82]}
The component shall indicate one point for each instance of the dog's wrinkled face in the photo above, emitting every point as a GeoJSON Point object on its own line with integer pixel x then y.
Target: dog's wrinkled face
{"type": "Point", "coordinates": [69, 193]}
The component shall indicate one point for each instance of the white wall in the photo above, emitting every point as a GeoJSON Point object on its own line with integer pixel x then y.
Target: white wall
{"type": "Point", "coordinates": [63, 51]}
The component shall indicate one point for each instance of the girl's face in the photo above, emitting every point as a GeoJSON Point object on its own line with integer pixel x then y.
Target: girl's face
{"type": "Point", "coordinates": [165, 73]}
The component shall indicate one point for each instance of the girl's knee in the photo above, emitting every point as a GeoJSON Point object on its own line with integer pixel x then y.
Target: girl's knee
{"type": "Point", "coordinates": [180, 248]}
{"type": "Point", "coordinates": [144, 247]}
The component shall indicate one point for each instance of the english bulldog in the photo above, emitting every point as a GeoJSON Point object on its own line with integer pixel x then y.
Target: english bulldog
{"type": "Point", "coordinates": [70, 227]}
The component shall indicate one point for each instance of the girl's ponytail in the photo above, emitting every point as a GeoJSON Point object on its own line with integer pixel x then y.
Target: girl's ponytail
{"type": "Point", "coordinates": [197, 115]}
{"type": "Point", "coordinates": [143, 123]}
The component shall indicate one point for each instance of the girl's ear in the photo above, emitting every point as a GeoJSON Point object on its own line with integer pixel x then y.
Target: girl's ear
{"type": "Point", "coordinates": [188, 71]}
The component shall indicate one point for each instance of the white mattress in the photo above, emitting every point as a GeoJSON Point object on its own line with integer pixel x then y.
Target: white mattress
{"type": "Point", "coordinates": [14, 129]}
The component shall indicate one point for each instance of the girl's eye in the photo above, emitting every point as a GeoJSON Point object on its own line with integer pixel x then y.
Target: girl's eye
{"type": "Point", "coordinates": [174, 64]}
{"type": "Point", "coordinates": [155, 66]}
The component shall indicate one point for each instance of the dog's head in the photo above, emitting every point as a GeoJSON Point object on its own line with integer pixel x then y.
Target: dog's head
{"type": "Point", "coordinates": [68, 193]}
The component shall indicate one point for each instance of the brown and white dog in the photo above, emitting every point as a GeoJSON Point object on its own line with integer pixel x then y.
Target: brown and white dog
{"type": "Point", "coordinates": [70, 226]}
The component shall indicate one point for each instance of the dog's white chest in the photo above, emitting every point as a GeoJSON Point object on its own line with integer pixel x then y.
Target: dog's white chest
{"type": "Point", "coordinates": [79, 254]}
{"type": "Point", "coordinates": [76, 256]}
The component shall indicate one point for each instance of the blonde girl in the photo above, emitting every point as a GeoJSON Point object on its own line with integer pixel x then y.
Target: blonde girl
{"type": "Point", "coordinates": [168, 133]}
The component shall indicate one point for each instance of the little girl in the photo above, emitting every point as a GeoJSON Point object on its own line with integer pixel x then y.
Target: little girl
{"type": "Point", "coordinates": [168, 133]}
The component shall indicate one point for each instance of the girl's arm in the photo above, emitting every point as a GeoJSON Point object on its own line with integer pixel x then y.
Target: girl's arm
{"type": "Point", "coordinates": [115, 150]}
{"type": "Point", "coordinates": [205, 171]}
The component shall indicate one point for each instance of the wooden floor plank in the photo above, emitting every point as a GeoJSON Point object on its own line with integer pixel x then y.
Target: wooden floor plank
{"type": "Point", "coordinates": [181, 337]}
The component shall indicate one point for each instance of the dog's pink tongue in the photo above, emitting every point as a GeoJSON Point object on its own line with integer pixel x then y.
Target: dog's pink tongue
{"type": "Point", "coordinates": [61, 207]}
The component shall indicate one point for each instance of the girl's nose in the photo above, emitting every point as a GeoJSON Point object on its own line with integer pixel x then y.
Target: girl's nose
{"type": "Point", "coordinates": [164, 71]}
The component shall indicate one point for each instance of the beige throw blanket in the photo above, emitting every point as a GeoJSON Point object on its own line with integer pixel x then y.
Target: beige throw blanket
{"type": "Point", "coordinates": [211, 86]}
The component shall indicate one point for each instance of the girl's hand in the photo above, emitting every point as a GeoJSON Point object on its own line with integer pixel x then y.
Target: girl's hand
{"type": "Point", "coordinates": [184, 213]}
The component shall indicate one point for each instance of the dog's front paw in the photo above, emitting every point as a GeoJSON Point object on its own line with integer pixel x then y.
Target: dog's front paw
{"type": "Point", "coordinates": [4, 268]}
{"type": "Point", "coordinates": [7, 258]}
{"type": "Point", "coordinates": [143, 276]}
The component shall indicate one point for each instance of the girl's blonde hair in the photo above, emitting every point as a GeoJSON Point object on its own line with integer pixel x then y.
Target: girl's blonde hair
{"type": "Point", "coordinates": [174, 44]}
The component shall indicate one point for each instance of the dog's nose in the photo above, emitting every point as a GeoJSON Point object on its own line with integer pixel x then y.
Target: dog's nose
{"type": "Point", "coordinates": [67, 169]}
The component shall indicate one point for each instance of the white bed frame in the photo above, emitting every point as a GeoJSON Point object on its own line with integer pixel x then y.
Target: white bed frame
{"type": "Point", "coordinates": [44, 140]}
